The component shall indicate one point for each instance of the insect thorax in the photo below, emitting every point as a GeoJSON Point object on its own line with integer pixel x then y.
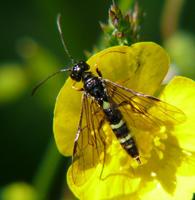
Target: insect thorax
{"type": "Point", "coordinates": [94, 86]}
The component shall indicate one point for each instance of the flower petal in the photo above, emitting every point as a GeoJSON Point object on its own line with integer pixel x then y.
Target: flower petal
{"type": "Point", "coordinates": [180, 93]}
{"type": "Point", "coordinates": [66, 118]}
{"type": "Point", "coordinates": [112, 186]}
{"type": "Point", "coordinates": [142, 66]}
{"type": "Point", "coordinates": [184, 190]}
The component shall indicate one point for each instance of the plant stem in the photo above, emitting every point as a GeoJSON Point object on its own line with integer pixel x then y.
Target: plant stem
{"type": "Point", "coordinates": [170, 17]}
{"type": "Point", "coordinates": [46, 171]}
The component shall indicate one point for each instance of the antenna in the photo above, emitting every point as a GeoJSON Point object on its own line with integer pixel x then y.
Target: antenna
{"type": "Point", "coordinates": [113, 2]}
{"type": "Point", "coordinates": [62, 38]}
{"type": "Point", "coordinates": [50, 76]}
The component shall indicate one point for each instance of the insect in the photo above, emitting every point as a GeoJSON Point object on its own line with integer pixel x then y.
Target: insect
{"type": "Point", "coordinates": [104, 101]}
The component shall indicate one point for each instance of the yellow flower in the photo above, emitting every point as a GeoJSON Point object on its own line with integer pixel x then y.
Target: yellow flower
{"type": "Point", "coordinates": [167, 169]}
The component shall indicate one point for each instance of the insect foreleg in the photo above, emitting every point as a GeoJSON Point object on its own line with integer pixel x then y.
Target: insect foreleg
{"type": "Point", "coordinates": [77, 89]}
{"type": "Point", "coordinates": [98, 72]}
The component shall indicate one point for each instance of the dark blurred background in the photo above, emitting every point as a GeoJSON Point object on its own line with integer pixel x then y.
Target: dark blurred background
{"type": "Point", "coordinates": [30, 49]}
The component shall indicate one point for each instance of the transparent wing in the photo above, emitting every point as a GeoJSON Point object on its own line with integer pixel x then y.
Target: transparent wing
{"type": "Point", "coordinates": [89, 146]}
{"type": "Point", "coordinates": [143, 111]}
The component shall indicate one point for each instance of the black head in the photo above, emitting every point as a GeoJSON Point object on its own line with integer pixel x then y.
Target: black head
{"type": "Point", "coordinates": [78, 69]}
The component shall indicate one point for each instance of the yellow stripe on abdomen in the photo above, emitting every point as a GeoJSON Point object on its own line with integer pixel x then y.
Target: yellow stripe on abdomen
{"type": "Point", "coordinates": [116, 126]}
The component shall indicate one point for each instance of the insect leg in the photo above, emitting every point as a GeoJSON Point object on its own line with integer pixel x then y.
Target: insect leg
{"type": "Point", "coordinates": [104, 146]}
{"type": "Point", "coordinates": [98, 72]}
{"type": "Point", "coordinates": [101, 123]}
{"type": "Point", "coordinates": [77, 89]}
{"type": "Point", "coordinates": [78, 131]}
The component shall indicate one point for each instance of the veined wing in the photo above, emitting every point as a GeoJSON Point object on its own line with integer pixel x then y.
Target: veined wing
{"type": "Point", "coordinates": [89, 146]}
{"type": "Point", "coordinates": [143, 111]}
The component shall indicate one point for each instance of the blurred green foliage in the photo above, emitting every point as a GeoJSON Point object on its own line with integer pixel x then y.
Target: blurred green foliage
{"type": "Point", "coordinates": [31, 50]}
{"type": "Point", "coordinates": [19, 191]}
{"type": "Point", "coordinates": [12, 82]}
{"type": "Point", "coordinates": [181, 48]}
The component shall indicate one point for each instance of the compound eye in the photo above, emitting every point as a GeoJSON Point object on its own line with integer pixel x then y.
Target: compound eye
{"type": "Point", "coordinates": [84, 65]}
{"type": "Point", "coordinates": [75, 76]}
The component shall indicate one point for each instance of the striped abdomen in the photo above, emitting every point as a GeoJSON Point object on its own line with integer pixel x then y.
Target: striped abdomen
{"type": "Point", "coordinates": [120, 129]}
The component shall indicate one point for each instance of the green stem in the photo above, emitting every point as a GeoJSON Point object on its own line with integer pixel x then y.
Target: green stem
{"type": "Point", "coordinates": [46, 171]}
{"type": "Point", "coordinates": [170, 17]}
